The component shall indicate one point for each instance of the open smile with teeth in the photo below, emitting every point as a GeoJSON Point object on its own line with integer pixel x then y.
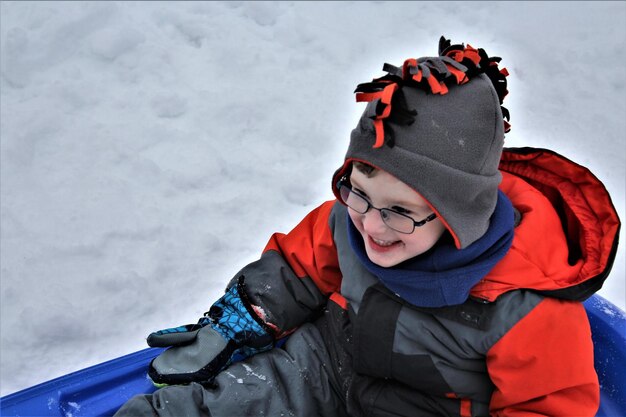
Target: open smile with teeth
{"type": "Point", "coordinates": [384, 243]}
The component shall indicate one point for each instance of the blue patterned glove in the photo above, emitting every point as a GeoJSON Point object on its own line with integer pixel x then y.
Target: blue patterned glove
{"type": "Point", "coordinates": [229, 331]}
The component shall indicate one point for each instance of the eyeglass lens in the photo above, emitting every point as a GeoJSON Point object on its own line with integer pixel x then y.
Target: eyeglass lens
{"type": "Point", "coordinates": [360, 204]}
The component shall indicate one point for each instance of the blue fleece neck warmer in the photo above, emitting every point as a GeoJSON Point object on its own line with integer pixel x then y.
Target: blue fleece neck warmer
{"type": "Point", "coordinates": [444, 275]}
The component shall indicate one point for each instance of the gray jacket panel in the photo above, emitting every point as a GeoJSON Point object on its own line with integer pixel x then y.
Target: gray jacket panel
{"type": "Point", "coordinates": [282, 299]}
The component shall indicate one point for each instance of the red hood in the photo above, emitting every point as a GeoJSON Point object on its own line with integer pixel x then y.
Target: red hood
{"type": "Point", "coordinates": [567, 239]}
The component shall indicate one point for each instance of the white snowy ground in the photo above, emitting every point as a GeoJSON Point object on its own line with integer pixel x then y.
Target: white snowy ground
{"type": "Point", "coordinates": [150, 149]}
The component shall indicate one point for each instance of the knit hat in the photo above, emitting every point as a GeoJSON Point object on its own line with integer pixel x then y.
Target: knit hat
{"type": "Point", "coordinates": [437, 125]}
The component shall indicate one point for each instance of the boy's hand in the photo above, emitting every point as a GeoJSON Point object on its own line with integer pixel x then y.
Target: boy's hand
{"type": "Point", "coordinates": [198, 352]}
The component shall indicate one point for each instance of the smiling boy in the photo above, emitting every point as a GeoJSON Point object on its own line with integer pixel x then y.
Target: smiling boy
{"type": "Point", "coordinates": [445, 279]}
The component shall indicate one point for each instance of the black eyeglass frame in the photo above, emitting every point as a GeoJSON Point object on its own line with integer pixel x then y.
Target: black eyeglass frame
{"type": "Point", "coordinates": [344, 183]}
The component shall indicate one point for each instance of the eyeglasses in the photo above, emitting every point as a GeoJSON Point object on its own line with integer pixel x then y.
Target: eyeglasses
{"type": "Point", "coordinates": [393, 219]}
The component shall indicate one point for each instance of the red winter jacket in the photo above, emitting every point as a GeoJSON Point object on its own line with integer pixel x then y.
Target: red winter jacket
{"type": "Point", "coordinates": [520, 346]}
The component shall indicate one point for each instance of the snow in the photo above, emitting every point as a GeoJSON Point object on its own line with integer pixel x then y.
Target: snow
{"type": "Point", "coordinates": [609, 311]}
{"type": "Point", "coordinates": [250, 372]}
{"type": "Point", "coordinates": [148, 150]}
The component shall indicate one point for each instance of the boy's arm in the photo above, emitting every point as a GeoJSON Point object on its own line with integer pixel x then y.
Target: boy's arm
{"type": "Point", "coordinates": [297, 272]}
{"type": "Point", "coordinates": [265, 301]}
{"type": "Point", "coordinates": [544, 365]}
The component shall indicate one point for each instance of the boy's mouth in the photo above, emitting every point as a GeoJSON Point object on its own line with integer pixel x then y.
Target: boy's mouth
{"type": "Point", "coordinates": [382, 245]}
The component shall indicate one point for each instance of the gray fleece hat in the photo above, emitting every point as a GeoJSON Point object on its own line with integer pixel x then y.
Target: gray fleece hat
{"type": "Point", "coordinates": [437, 125]}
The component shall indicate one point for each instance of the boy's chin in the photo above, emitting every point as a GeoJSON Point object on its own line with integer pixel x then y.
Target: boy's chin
{"type": "Point", "coordinates": [384, 261]}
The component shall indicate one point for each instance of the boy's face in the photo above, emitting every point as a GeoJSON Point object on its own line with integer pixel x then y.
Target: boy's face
{"type": "Point", "coordinates": [384, 246]}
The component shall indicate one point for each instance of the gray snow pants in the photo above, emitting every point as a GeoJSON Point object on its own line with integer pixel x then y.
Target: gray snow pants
{"type": "Point", "coordinates": [295, 380]}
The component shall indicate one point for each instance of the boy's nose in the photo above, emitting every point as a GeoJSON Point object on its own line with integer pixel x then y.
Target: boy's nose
{"type": "Point", "coordinates": [373, 222]}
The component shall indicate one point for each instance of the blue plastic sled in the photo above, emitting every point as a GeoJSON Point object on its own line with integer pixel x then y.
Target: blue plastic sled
{"type": "Point", "coordinates": [101, 389]}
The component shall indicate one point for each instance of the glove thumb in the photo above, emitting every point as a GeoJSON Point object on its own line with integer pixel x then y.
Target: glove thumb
{"type": "Point", "coordinates": [199, 361]}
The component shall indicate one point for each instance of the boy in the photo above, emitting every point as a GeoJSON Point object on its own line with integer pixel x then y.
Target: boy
{"type": "Point", "coordinates": [445, 279]}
